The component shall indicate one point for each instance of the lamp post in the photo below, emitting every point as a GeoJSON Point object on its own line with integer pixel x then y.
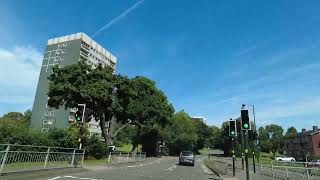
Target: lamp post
{"type": "Point", "coordinates": [255, 136]}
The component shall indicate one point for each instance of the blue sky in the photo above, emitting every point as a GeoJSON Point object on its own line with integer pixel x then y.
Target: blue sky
{"type": "Point", "coordinates": [209, 57]}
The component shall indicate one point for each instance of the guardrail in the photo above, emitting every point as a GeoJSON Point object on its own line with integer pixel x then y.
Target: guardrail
{"type": "Point", "coordinates": [18, 158]}
{"type": "Point", "coordinates": [120, 157]}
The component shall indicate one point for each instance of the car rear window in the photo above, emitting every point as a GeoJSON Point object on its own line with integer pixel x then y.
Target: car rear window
{"type": "Point", "coordinates": [186, 153]}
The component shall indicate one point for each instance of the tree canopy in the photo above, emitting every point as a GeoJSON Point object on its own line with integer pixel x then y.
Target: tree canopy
{"type": "Point", "coordinates": [111, 99]}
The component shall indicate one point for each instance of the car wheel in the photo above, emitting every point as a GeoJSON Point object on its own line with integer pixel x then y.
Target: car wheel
{"type": "Point", "coordinates": [292, 160]}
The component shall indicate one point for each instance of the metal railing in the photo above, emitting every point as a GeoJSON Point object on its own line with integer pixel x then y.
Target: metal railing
{"type": "Point", "coordinates": [289, 170]}
{"type": "Point", "coordinates": [120, 157]}
{"type": "Point", "coordinates": [277, 169]}
{"type": "Point", "coordinates": [18, 158]}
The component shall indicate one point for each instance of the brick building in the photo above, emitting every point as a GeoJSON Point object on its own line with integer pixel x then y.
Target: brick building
{"type": "Point", "coordinates": [303, 143]}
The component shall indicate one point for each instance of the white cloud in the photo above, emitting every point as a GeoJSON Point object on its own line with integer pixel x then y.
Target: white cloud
{"type": "Point", "coordinates": [19, 67]}
{"type": "Point", "coordinates": [292, 108]}
{"type": "Point", "coordinates": [19, 72]}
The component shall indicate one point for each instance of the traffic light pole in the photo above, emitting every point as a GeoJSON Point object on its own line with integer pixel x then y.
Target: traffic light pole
{"type": "Point", "coordinates": [233, 159]}
{"type": "Point", "coordinates": [254, 140]}
{"type": "Point", "coordinates": [242, 146]}
{"type": "Point", "coordinates": [246, 154]}
{"type": "Point", "coordinates": [81, 124]}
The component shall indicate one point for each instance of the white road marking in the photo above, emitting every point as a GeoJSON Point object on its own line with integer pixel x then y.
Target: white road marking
{"type": "Point", "coordinates": [58, 177]}
{"type": "Point", "coordinates": [73, 177]}
{"type": "Point", "coordinates": [171, 168]}
{"type": "Point", "coordinates": [205, 169]}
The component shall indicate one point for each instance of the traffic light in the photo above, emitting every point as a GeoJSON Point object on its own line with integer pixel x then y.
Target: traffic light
{"type": "Point", "coordinates": [245, 121]}
{"type": "Point", "coordinates": [232, 128]}
{"type": "Point", "coordinates": [79, 113]}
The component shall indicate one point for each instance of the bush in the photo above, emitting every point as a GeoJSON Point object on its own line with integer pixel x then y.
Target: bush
{"type": "Point", "coordinates": [96, 148]}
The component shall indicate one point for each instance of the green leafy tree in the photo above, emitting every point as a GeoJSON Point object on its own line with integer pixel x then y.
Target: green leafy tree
{"type": "Point", "coordinates": [203, 131]}
{"type": "Point", "coordinates": [291, 132]}
{"type": "Point", "coordinates": [27, 115]}
{"type": "Point", "coordinates": [180, 134]}
{"type": "Point", "coordinates": [276, 137]}
{"type": "Point", "coordinates": [213, 139]}
{"type": "Point", "coordinates": [264, 140]}
{"type": "Point", "coordinates": [147, 106]}
{"type": "Point", "coordinates": [79, 83]}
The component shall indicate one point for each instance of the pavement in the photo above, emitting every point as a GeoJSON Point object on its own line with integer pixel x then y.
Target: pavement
{"type": "Point", "coordinates": [165, 168]}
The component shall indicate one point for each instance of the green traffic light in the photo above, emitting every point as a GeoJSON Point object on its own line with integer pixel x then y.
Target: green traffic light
{"type": "Point", "coordinates": [246, 125]}
{"type": "Point", "coordinates": [232, 132]}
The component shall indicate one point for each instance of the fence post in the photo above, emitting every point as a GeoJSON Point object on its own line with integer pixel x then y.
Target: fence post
{"type": "Point", "coordinates": [84, 151]}
{"type": "Point", "coordinates": [109, 158]}
{"type": "Point", "coordinates": [272, 170]}
{"type": "Point", "coordinates": [287, 172]}
{"type": "Point", "coordinates": [72, 160]}
{"type": "Point", "coordinates": [4, 159]}
{"type": "Point", "coordinates": [47, 157]}
{"type": "Point", "coordinates": [308, 176]}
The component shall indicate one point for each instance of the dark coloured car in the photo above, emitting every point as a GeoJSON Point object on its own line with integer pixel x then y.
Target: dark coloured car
{"type": "Point", "coordinates": [186, 158]}
{"type": "Point", "coordinates": [313, 163]}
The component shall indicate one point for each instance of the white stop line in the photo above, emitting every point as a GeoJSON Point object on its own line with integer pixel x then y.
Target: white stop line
{"type": "Point", "coordinates": [73, 177]}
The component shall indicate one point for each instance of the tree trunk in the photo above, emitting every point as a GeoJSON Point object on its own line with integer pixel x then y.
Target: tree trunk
{"type": "Point", "coordinates": [102, 124]}
{"type": "Point", "coordinates": [135, 141]}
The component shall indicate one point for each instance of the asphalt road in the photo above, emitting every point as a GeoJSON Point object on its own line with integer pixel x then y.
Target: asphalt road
{"type": "Point", "coordinates": [159, 169]}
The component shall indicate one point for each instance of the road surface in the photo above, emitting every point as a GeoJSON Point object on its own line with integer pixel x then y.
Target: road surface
{"type": "Point", "coordinates": [159, 169]}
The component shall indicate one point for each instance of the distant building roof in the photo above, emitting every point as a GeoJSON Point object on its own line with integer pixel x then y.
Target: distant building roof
{"type": "Point", "coordinates": [309, 133]}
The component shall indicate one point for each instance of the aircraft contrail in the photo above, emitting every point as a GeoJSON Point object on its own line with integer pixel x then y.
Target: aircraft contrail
{"type": "Point", "coordinates": [116, 19]}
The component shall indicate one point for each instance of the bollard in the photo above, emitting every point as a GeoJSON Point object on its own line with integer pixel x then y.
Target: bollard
{"type": "Point", "coordinates": [128, 157]}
